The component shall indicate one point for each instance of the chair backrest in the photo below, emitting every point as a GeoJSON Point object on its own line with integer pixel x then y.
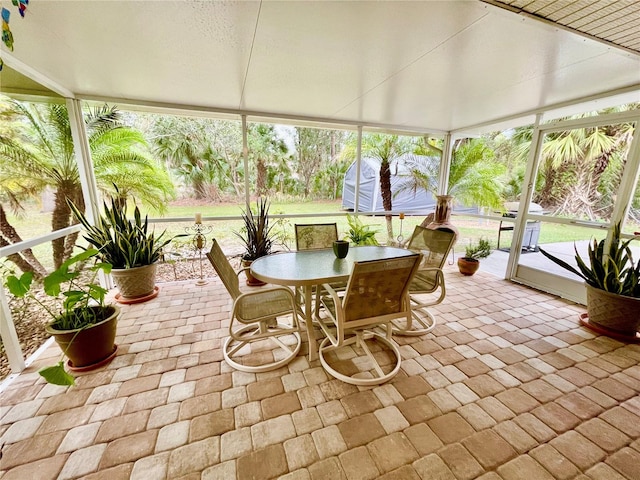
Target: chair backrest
{"type": "Point", "coordinates": [311, 236]}
{"type": "Point", "coordinates": [379, 287]}
{"type": "Point", "coordinates": [434, 245]}
{"type": "Point", "coordinates": [224, 269]}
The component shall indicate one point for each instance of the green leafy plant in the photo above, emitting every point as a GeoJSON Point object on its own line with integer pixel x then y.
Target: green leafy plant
{"type": "Point", "coordinates": [257, 235]}
{"type": "Point", "coordinates": [122, 242]}
{"type": "Point", "coordinates": [82, 301]}
{"type": "Point", "coordinates": [612, 270]}
{"type": "Point", "coordinates": [476, 251]}
{"type": "Point", "coordinates": [359, 233]}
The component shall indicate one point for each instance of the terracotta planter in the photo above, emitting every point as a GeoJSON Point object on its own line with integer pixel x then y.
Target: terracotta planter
{"type": "Point", "coordinates": [613, 312]}
{"type": "Point", "coordinates": [468, 266]}
{"type": "Point", "coordinates": [251, 280]}
{"type": "Point", "coordinates": [135, 282]}
{"type": "Point", "coordinates": [89, 346]}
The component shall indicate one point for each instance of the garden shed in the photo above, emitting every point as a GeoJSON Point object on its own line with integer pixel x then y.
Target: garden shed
{"type": "Point", "coordinates": [404, 200]}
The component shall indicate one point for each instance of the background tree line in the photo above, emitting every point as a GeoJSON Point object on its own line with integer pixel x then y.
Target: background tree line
{"type": "Point", "coordinates": [154, 159]}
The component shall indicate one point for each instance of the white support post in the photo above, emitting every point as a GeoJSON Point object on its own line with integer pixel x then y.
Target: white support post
{"type": "Point", "coordinates": [245, 155]}
{"type": "Point", "coordinates": [83, 158]}
{"type": "Point", "coordinates": [629, 179]}
{"type": "Point", "coordinates": [356, 200]}
{"type": "Point", "coordinates": [9, 336]}
{"type": "Point", "coordinates": [525, 199]}
{"type": "Point", "coordinates": [86, 173]}
{"type": "Point", "coordinates": [445, 164]}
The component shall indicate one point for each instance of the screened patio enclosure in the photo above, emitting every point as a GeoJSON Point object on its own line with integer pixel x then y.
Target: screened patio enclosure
{"type": "Point", "coordinates": [450, 69]}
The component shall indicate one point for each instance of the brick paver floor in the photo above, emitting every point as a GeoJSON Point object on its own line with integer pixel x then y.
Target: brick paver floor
{"type": "Point", "coordinates": [508, 386]}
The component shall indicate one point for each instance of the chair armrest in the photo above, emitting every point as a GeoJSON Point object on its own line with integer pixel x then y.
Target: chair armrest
{"type": "Point", "coordinates": [438, 271]}
{"type": "Point", "coordinates": [263, 291]}
{"type": "Point", "coordinates": [242, 270]}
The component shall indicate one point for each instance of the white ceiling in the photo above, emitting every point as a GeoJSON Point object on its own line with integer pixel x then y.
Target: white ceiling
{"type": "Point", "coordinates": [418, 65]}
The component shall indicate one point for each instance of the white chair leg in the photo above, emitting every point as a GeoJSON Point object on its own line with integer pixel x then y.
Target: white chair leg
{"type": "Point", "coordinates": [326, 346]}
{"type": "Point", "coordinates": [232, 345]}
{"type": "Point", "coordinates": [422, 322]}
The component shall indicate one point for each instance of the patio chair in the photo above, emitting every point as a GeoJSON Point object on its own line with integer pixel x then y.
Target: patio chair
{"type": "Point", "coordinates": [312, 236]}
{"type": "Point", "coordinates": [377, 292]}
{"type": "Point", "coordinates": [257, 312]}
{"type": "Point", "coordinates": [315, 235]}
{"type": "Point", "coordinates": [435, 246]}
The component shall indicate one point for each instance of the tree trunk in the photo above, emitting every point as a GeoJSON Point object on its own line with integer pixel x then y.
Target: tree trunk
{"type": "Point", "coordinates": [25, 260]}
{"type": "Point", "coordinates": [20, 262]}
{"type": "Point", "coordinates": [61, 218]}
{"type": "Point", "coordinates": [385, 191]}
{"type": "Point", "coordinates": [261, 181]}
{"type": "Point", "coordinates": [198, 188]}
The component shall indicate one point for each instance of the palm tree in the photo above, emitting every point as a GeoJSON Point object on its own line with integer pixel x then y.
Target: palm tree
{"type": "Point", "coordinates": [205, 153]}
{"type": "Point", "coordinates": [386, 149]}
{"type": "Point", "coordinates": [265, 150]}
{"type": "Point", "coordinates": [574, 164]}
{"type": "Point", "coordinates": [13, 195]}
{"type": "Point", "coordinates": [475, 178]}
{"type": "Point", "coordinates": [43, 156]}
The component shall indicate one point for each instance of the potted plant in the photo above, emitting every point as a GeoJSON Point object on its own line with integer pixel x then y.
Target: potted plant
{"type": "Point", "coordinates": [128, 246]}
{"type": "Point", "coordinates": [359, 233]}
{"type": "Point", "coordinates": [85, 327]}
{"type": "Point", "coordinates": [613, 286]}
{"type": "Point", "coordinates": [257, 237]}
{"type": "Point", "coordinates": [469, 264]}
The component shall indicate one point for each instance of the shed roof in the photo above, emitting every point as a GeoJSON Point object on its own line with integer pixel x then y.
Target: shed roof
{"type": "Point", "coordinates": [427, 66]}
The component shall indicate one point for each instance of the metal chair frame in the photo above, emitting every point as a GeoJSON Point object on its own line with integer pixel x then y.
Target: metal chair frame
{"type": "Point", "coordinates": [377, 292]}
{"type": "Point", "coordinates": [309, 237]}
{"type": "Point", "coordinates": [435, 246]}
{"type": "Point", "coordinates": [258, 312]}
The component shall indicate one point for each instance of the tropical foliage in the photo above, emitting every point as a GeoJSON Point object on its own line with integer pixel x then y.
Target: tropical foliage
{"type": "Point", "coordinates": [475, 176]}
{"type": "Point", "coordinates": [205, 154]}
{"type": "Point", "coordinates": [580, 168]}
{"type": "Point", "coordinates": [479, 250]}
{"type": "Point", "coordinates": [83, 302]}
{"type": "Point", "coordinates": [359, 233]}
{"type": "Point", "coordinates": [122, 242]}
{"type": "Point", "coordinates": [386, 149]}
{"type": "Point", "coordinates": [79, 294]}
{"type": "Point", "coordinates": [39, 154]}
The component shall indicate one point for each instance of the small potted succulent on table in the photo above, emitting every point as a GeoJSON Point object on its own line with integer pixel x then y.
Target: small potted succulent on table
{"type": "Point", "coordinates": [84, 327]}
{"type": "Point", "coordinates": [469, 264]}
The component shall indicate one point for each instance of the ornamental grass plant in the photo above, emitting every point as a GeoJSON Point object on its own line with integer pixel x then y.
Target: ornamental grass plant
{"type": "Point", "coordinates": [257, 235]}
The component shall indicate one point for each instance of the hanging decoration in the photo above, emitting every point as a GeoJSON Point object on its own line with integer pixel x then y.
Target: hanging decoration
{"type": "Point", "coordinates": [7, 36]}
{"type": "Point", "coordinates": [22, 6]}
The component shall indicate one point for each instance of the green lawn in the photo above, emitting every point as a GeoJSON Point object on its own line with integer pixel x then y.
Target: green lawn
{"type": "Point", "coordinates": [34, 223]}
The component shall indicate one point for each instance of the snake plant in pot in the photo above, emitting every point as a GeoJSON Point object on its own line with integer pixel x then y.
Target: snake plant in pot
{"type": "Point", "coordinates": [613, 285]}
{"type": "Point", "coordinates": [129, 246]}
{"type": "Point", "coordinates": [84, 327]}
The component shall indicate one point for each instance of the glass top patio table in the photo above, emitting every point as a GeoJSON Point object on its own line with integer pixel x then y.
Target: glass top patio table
{"type": "Point", "coordinates": [317, 266]}
{"type": "Point", "coordinates": [314, 267]}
